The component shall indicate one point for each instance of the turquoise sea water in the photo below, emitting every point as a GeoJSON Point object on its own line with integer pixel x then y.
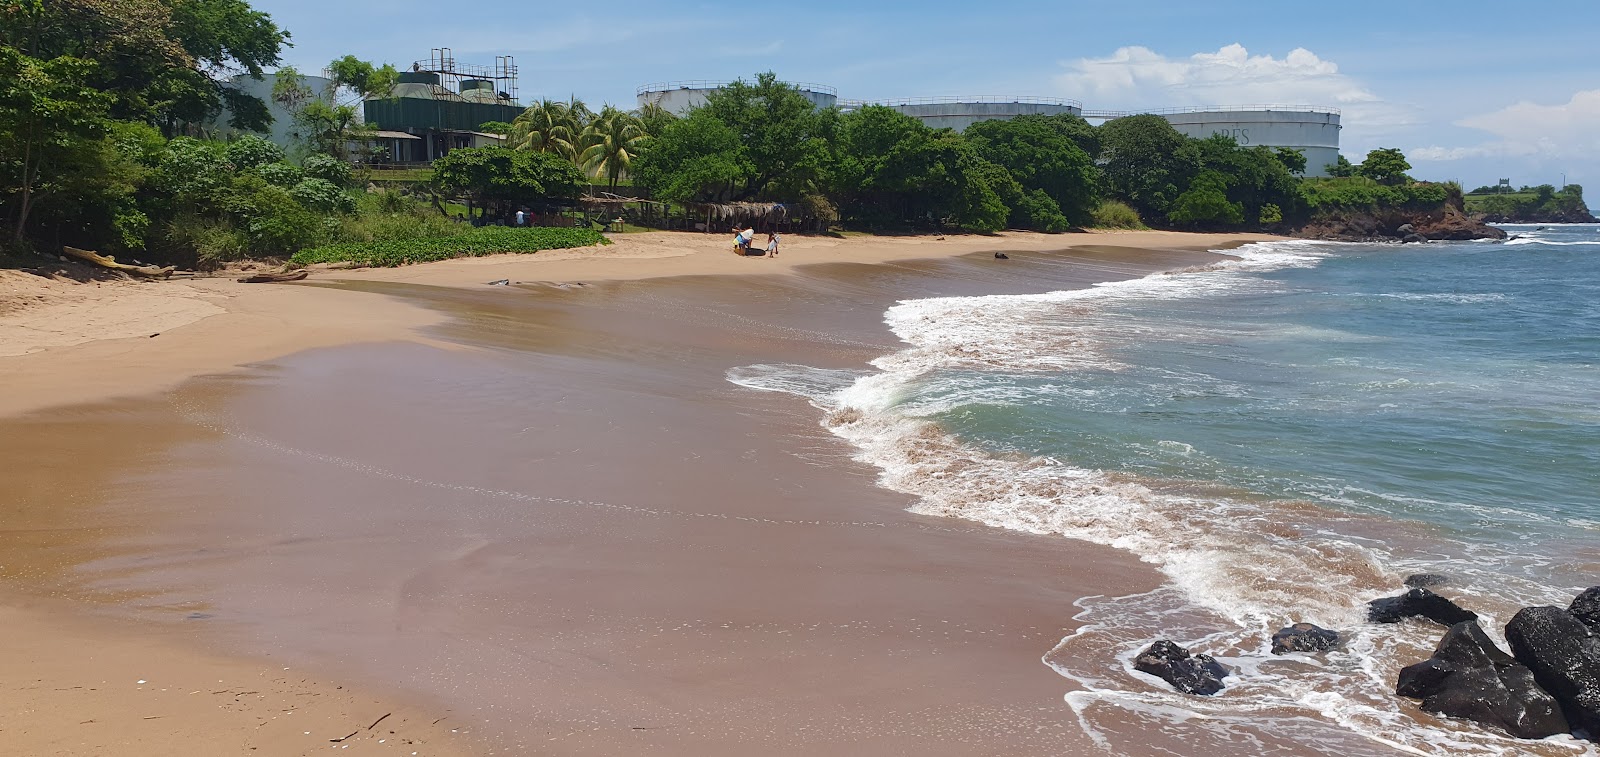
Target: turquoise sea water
{"type": "Point", "coordinates": [1284, 436]}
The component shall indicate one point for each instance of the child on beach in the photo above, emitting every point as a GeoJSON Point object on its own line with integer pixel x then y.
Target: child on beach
{"type": "Point", "coordinates": [772, 244]}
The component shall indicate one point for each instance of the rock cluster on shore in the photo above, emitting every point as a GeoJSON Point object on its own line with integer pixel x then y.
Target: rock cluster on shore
{"type": "Point", "coordinates": [1449, 223]}
{"type": "Point", "coordinates": [1549, 684]}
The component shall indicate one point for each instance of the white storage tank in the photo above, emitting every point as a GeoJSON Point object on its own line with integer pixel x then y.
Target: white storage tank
{"type": "Point", "coordinates": [678, 97]}
{"type": "Point", "coordinates": [1312, 130]}
{"type": "Point", "coordinates": [960, 112]}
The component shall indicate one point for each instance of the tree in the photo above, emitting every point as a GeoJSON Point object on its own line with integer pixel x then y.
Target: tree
{"type": "Point", "coordinates": [161, 61]}
{"type": "Point", "coordinates": [545, 127]}
{"type": "Point", "coordinates": [1386, 166]}
{"type": "Point", "coordinates": [1205, 203]}
{"type": "Point", "coordinates": [496, 178]}
{"type": "Point", "coordinates": [697, 158]}
{"type": "Point", "coordinates": [614, 138]}
{"type": "Point", "coordinates": [1146, 162]}
{"type": "Point", "coordinates": [330, 121]}
{"type": "Point", "coordinates": [654, 119]}
{"type": "Point", "coordinates": [49, 116]}
{"type": "Point", "coordinates": [1292, 159]}
{"type": "Point", "coordinates": [783, 134]}
{"type": "Point", "coordinates": [890, 169]}
{"type": "Point", "coordinates": [1342, 168]}
{"type": "Point", "coordinates": [1040, 156]}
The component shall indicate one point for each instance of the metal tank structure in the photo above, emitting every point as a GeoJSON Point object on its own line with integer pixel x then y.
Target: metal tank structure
{"type": "Point", "coordinates": [1311, 129]}
{"type": "Point", "coordinates": [679, 97]}
{"type": "Point", "coordinates": [960, 112]}
{"type": "Point", "coordinates": [283, 130]}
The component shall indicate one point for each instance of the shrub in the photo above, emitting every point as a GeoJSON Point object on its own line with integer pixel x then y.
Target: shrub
{"type": "Point", "coordinates": [280, 174]}
{"type": "Point", "coordinates": [250, 151]}
{"type": "Point", "coordinates": [491, 240]}
{"type": "Point", "coordinates": [322, 196]}
{"type": "Point", "coordinates": [1115, 214]}
{"type": "Point", "coordinates": [277, 224]}
{"type": "Point", "coordinates": [329, 169]}
{"type": "Point", "coordinates": [1271, 214]}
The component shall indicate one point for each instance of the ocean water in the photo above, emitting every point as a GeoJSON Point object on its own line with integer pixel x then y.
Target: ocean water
{"type": "Point", "coordinates": [1284, 435]}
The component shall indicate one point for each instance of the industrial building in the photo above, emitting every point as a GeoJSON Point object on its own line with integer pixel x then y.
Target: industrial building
{"type": "Point", "coordinates": [1314, 131]}
{"type": "Point", "coordinates": [441, 104]}
{"type": "Point", "coordinates": [283, 131]}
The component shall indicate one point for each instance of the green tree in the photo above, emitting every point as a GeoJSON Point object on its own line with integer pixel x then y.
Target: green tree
{"type": "Point", "coordinates": [1146, 162]}
{"type": "Point", "coordinates": [1292, 159]}
{"type": "Point", "coordinates": [614, 138]}
{"type": "Point", "coordinates": [1041, 157]}
{"type": "Point", "coordinates": [1386, 166]}
{"type": "Point", "coordinates": [697, 158]}
{"type": "Point", "coordinates": [545, 127]}
{"type": "Point", "coordinates": [1205, 204]}
{"type": "Point", "coordinates": [783, 134]}
{"type": "Point", "coordinates": [890, 169]}
{"type": "Point", "coordinates": [1342, 168]}
{"type": "Point", "coordinates": [330, 121]}
{"type": "Point", "coordinates": [654, 119]}
{"type": "Point", "coordinates": [50, 116]}
{"type": "Point", "coordinates": [497, 178]}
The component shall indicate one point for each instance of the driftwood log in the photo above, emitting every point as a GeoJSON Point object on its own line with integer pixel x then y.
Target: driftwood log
{"type": "Point", "coordinates": [274, 278]}
{"type": "Point", "coordinates": [108, 262]}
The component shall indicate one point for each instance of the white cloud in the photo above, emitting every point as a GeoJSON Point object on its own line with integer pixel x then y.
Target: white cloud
{"type": "Point", "coordinates": [1138, 77]}
{"type": "Point", "coordinates": [1571, 130]}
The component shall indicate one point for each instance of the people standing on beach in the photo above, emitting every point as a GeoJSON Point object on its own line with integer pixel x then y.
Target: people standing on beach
{"type": "Point", "coordinates": [772, 244]}
{"type": "Point", "coordinates": [741, 242]}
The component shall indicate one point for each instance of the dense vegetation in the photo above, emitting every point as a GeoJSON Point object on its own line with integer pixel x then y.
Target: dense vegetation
{"type": "Point", "coordinates": [489, 240]}
{"type": "Point", "coordinates": [1541, 204]}
{"type": "Point", "coordinates": [113, 116]}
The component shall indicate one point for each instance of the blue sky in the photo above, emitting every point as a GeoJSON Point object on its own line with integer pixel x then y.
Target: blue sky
{"type": "Point", "coordinates": [1471, 90]}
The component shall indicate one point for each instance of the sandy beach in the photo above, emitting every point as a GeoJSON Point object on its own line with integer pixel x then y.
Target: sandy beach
{"type": "Point", "coordinates": [519, 519]}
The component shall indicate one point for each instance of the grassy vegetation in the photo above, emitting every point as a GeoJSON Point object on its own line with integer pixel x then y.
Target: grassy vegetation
{"type": "Point", "coordinates": [1361, 194]}
{"type": "Point", "coordinates": [1114, 214]}
{"type": "Point", "coordinates": [491, 240]}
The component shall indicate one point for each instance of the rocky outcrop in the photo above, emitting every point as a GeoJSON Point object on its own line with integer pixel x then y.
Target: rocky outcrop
{"type": "Point", "coordinates": [1448, 222]}
{"type": "Point", "coordinates": [1586, 608]}
{"type": "Point", "coordinates": [1564, 654]}
{"type": "Point", "coordinates": [1418, 603]}
{"type": "Point", "coordinates": [1470, 677]}
{"type": "Point", "coordinates": [1304, 637]}
{"type": "Point", "coordinates": [1197, 674]}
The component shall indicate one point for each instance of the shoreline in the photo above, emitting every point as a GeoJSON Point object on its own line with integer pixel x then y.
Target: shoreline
{"type": "Point", "coordinates": [222, 341]}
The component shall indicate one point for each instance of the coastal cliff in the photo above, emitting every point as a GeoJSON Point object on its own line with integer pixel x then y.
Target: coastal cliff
{"type": "Point", "coordinates": [1447, 220]}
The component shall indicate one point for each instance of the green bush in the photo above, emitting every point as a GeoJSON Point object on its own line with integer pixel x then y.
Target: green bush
{"type": "Point", "coordinates": [280, 174]}
{"type": "Point", "coordinates": [250, 151]}
{"type": "Point", "coordinates": [322, 196]}
{"type": "Point", "coordinates": [1115, 214]}
{"type": "Point", "coordinates": [329, 169]}
{"type": "Point", "coordinates": [490, 240]}
{"type": "Point", "coordinates": [1271, 214]}
{"type": "Point", "coordinates": [1363, 194]}
{"type": "Point", "coordinates": [277, 224]}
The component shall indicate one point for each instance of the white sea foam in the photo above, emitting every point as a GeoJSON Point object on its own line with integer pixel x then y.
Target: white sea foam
{"type": "Point", "coordinates": [1237, 570]}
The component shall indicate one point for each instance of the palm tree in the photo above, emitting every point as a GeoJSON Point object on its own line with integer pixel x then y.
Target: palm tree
{"type": "Point", "coordinates": [546, 127]}
{"type": "Point", "coordinates": [613, 139]}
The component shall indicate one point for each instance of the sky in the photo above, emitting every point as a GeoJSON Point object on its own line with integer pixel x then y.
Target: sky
{"type": "Point", "coordinates": [1471, 91]}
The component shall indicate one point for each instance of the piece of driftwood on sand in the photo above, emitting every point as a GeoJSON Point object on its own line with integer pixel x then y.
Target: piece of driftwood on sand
{"type": "Point", "coordinates": [274, 277]}
{"type": "Point", "coordinates": [110, 263]}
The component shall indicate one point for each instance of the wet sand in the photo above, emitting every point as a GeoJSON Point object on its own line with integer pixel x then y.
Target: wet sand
{"type": "Point", "coordinates": [555, 518]}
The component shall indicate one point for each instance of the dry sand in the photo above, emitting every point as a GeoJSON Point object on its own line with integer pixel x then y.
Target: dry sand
{"type": "Point", "coordinates": [65, 676]}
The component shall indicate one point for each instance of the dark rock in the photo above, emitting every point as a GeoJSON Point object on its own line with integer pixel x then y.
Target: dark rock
{"type": "Point", "coordinates": [1586, 608]}
{"type": "Point", "coordinates": [1198, 674]}
{"type": "Point", "coordinates": [1425, 580]}
{"type": "Point", "coordinates": [1304, 637]}
{"type": "Point", "coordinates": [1418, 603]}
{"type": "Point", "coordinates": [1405, 228]}
{"type": "Point", "coordinates": [1469, 677]}
{"type": "Point", "coordinates": [1564, 655]}
{"type": "Point", "coordinates": [1413, 239]}
{"type": "Point", "coordinates": [1001, 256]}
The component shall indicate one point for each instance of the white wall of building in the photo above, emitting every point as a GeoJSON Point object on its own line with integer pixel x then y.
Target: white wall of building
{"type": "Point", "coordinates": [283, 130]}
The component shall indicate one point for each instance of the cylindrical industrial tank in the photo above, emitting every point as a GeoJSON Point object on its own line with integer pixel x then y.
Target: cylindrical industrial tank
{"type": "Point", "coordinates": [960, 112]}
{"type": "Point", "coordinates": [680, 97]}
{"type": "Point", "coordinates": [1314, 131]}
